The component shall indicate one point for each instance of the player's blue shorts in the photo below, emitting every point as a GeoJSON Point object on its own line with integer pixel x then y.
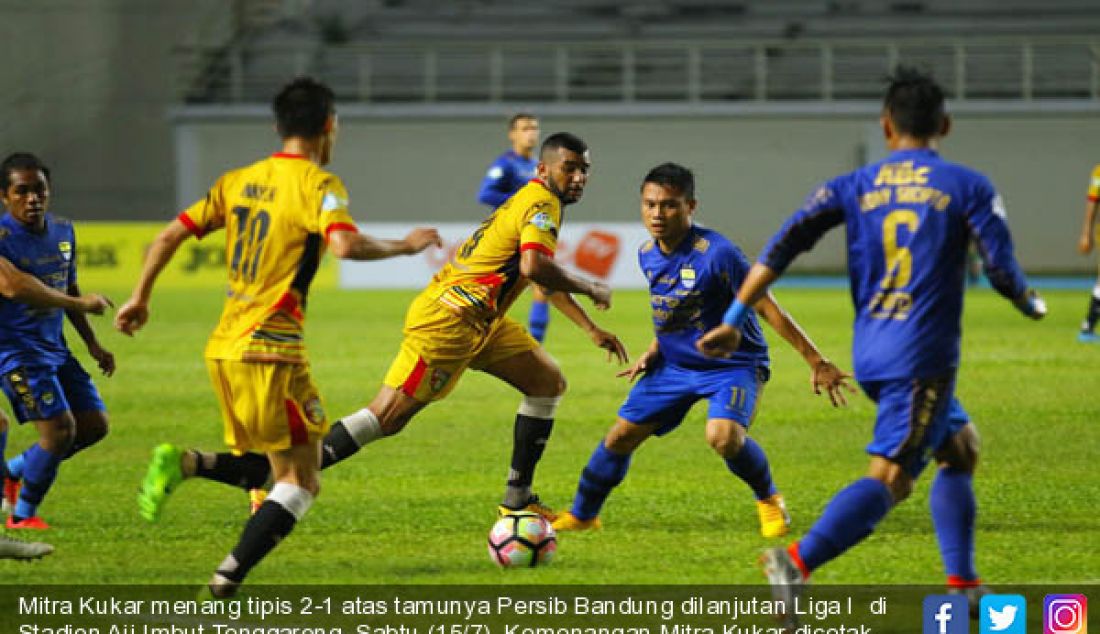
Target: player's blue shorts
{"type": "Point", "coordinates": [915, 418]}
{"type": "Point", "coordinates": [666, 393]}
{"type": "Point", "coordinates": [41, 392]}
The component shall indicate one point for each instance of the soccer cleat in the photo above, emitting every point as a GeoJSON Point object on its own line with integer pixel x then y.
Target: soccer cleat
{"type": "Point", "coordinates": [534, 505]}
{"type": "Point", "coordinates": [787, 583]}
{"type": "Point", "coordinates": [11, 494]}
{"type": "Point", "coordinates": [774, 519]}
{"type": "Point", "coordinates": [973, 591]}
{"type": "Point", "coordinates": [14, 549]}
{"type": "Point", "coordinates": [30, 523]}
{"type": "Point", "coordinates": [162, 477]}
{"type": "Point", "coordinates": [1086, 336]}
{"type": "Point", "coordinates": [256, 499]}
{"type": "Point", "coordinates": [566, 521]}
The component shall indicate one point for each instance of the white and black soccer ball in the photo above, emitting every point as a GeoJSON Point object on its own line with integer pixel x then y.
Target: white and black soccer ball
{"type": "Point", "coordinates": [523, 539]}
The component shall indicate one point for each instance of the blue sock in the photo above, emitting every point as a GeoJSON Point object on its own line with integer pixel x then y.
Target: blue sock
{"type": "Point", "coordinates": [38, 474]}
{"type": "Point", "coordinates": [604, 471]}
{"type": "Point", "coordinates": [953, 511]}
{"type": "Point", "coordinates": [751, 465]}
{"type": "Point", "coordinates": [3, 446]}
{"type": "Point", "coordinates": [538, 320]}
{"type": "Point", "coordinates": [15, 466]}
{"type": "Point", "coordinates": [850, 516]}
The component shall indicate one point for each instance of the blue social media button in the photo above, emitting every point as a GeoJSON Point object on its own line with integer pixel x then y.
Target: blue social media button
{"type": "Point", "coordinates": [1003, 614]}
{"type": "Point", "coordinates": [945, 614]}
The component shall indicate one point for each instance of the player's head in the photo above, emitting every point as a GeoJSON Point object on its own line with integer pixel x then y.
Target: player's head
{"type": "Point", "coordinates": [668, 202]}
{"type": "Point", "coordinates": [563, 166]}
{"type": "Point", "coordinates": [914, 107]}
{"type": "Point", "coordinates": [25, 182]}
{"type": "Point", "coordinates": [306, 109]}
{"type": "Point", "coordinates": [523, 132]}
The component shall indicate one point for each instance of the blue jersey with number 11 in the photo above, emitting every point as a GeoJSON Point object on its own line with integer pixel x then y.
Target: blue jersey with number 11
{"type": "Point", "coordinates": [909, 219]}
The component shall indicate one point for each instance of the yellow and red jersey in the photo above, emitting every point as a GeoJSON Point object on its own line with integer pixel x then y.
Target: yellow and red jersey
{"type": "Point", "coordinates": [1094, 185]}
{"type": "Point", "coordinates": [483, 278]}
{"type": "Point", "coordinates": [277, 214]}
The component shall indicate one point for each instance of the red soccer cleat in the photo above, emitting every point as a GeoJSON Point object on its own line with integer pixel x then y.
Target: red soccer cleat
{"type": "Point", "coordinates": [31, 523]}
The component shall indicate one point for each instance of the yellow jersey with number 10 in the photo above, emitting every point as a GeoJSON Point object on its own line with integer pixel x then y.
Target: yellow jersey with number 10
{"type": "Point", "coordinates": [277, 214]}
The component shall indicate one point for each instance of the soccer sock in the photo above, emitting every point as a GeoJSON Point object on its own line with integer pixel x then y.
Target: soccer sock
{"type": "Point", "coordinates": [850, 517]}
{"type": "Point", "coordinates": [348, 435]}
{"type": "Point", "coordinates": [529, 441]}
{"type": "Point", "coordinates": [284, 506]}
{"type": "Point", "coordinates": [1094, 311]}
{"type": "Point", "coordinates": [247, 471]}
{"type": "Point", "coordinates": [39, 472]}
{"type": "Point", "coordinates": [953, 511]}
{"type": "Point", "coordinates": [751, 465]}
{"type": "Point", "coordinates": [604, 471]}
{"type": "Point", "coordinates": [3, 446]}
{"type": "Point", "coordinates": [538, 320]}
{"type": "Point", "coordinates": [15, 467]}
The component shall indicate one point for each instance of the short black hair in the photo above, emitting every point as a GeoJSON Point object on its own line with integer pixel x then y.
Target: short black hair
{"type": "Point", "coordinates": [915, 103]}
{"type": "Point", "coordinates": [20, 161]}
{"type": "Point", "coordinates": [673, 176]}
{"type": "Point", "coordinates": [566, 140]}
{"type": "Point", "coordinates": [520, 116]}
{"type": "Point", "coordinates": [302, 107]}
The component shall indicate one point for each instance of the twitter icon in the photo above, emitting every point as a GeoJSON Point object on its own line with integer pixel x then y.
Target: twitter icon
{"type": "Point", "coordinates": [1003, 614]}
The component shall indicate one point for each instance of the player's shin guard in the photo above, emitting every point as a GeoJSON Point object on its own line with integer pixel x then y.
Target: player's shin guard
{"type": "Point", "coordinates": [538, 320]}
{"type": "Point", "coordinates": [954, 509]}
{"type": "Point", "coordinates": [247, 471]}
{"type": "Point", "coordinates": [348, 435]}
{"type": "Point", "coordinates": [847, 520]}
{"type": "Point", "coordinates": [534, 422]}
{"type": "Point", "coordinates": [39, 472]}
{"type": "Point", "coordinates": [751, 465]}
{"type": "Point", "coordinates": [285, 505]}
{"type": "Point", "coordinates": [604, 471]}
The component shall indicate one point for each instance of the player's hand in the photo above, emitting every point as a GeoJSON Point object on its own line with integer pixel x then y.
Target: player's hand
{"type": "Point", "coordinates": [719, 342]}
{"type": "Point", "coordinates": [1084, 245]}
{"type": "Point", "coordinates": [95, 303]}
{"type": "Point", "coordinates": [833, 380]}
{"type": "Point", "coordinates": [600, 294]}
{"type": "Point", "coordinates": [608, 341]}
{"type": "Point", "coordinates": [640, 366]}
{"type": "Point", "coordinates": [103, 358]}
{"type": "Point", "coordinates": [421, 238]}
{"type": "Point", "coordinates": [1031, 304]}
{"type": "Point", "coordinates": [131, 317]}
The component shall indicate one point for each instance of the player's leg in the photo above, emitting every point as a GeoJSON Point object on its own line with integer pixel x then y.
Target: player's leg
{"type": "Point", "coordinates": [539, 317]}
{"type": "Point", "coordinates": [88, 409]}
{"type": "Point", "coordinates": [11, 548]}
{"type": "Point", "coordinates": [1088, 327]}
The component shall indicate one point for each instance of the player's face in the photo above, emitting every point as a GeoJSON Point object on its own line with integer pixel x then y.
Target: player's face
{"type": "Point", "coordinates": [28, 196]}
{"type": "Point", "coordinates": [666, 213]}
{"type": "Point", "coordinates": [525, 134]}
{"type": "Point", "coordinates": [565, 173]}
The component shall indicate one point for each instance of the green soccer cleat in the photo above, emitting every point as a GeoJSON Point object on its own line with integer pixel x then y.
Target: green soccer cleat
{"type": "Point", "coordinates": [163, 476]}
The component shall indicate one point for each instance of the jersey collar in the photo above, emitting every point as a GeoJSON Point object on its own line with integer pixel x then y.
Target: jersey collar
{"type": "Point", "coordinates": [289, 155]}
{"type": "Point", "coordinates": [11, 223]}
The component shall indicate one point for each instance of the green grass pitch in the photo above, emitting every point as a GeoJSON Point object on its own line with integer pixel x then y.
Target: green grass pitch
{"type": "Point", "coordinates": [417, 508]}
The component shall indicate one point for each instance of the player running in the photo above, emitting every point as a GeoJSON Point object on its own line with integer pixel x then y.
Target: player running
{"type": "Point", "coordinates": [908, 220]}
{"type": "Point", "coordinates": [278, 214]}
{"type": "Point", "coordinates": [1084, 245]}
{"type": "Point", "coordinates": [42, 379]}
{"type": "Point", "coordinates": [693, 274]}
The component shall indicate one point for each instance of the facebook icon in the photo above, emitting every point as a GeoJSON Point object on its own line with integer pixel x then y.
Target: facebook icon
{"type": "Point", "coordinates": [946, 614]}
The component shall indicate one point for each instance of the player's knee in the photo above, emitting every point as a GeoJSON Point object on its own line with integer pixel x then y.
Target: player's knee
{"type": "Point", "coordinates": [726, 440]}
{"type": "Point", "coordinates": [58, 436]}
{"type": "Point", "coordinates": [961, 450]}
{"type": "Point", "coordinates": [92, 429]}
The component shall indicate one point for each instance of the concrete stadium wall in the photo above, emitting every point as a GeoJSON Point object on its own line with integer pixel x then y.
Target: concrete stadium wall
{"type": "Point", "coordinates": [752, 169]}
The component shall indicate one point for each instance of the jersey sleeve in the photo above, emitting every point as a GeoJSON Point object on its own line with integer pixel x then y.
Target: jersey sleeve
{"type": "Point", "coordinates": [731, 265]}
{"type": "Point", "coordinates": [1094, 185]}
{"type": "Point", "coordinates": [539, 229]}
{"type": "Point", "coordinates": [333, 214]}
{"type": "Point", "coordinates": [986, 220]}
{"type": "Point", "coordinates": [206, 215]}
{"type": "Point", "coordinates": [822, 211]}
{"type": "Point", "coordinates": [496, 187]}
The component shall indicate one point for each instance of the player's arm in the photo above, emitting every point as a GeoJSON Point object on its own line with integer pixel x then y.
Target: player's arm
{"type": "Point", "coordinates": [823, 374]}
{"type": "Point", "coordinates": [494, 188]}
{"type": "Point", "coordinates": [569, 307]}
{"type": "Point", "coordinates": [539, 267]}
{"type": "Point", "coordinates": [103, 357]}
{"type": "Point", "coordinates": [986, 218]}
{"type": "Point", "coordinates": [135, 312]}
{"type": "Point", "coordinates": [352, 245]}
{"type": "Point", "coordinates": [1084, 244]}
{"type": "Point", "coordinates": [24, 288]}
{"type": "Point", "coordinates": [643, 363]}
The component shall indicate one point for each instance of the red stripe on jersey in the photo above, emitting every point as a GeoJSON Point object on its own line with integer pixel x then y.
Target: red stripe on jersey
{"type": "Point", "coordinates": [541, 248]}
{"type": "Point", "coordinates": [298, 435]}
{"type": "Point", "coordinates": [493, 279]}
{"type": "Point", "coordinates": [289, 303]}
{"type": "Point", "coordinates": [289, 155]}
{"type": "Point", "coordinates": [340, 226]}
{"type": "Point", "coordinates": [415, 377]}
{"type": "Point", "coordinates": [540, 182]}
{"type": "Point", "coordinates": [191, 226]}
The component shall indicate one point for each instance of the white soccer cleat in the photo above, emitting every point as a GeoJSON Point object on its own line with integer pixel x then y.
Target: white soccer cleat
{"type": "Point", "coordinates": [14, 549]}
{"type": "Point", "coordinates": [787, 583]}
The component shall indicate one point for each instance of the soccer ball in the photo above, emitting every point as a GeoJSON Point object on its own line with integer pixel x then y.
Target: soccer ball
{"type": "Point", "coordinates": [522, 539]}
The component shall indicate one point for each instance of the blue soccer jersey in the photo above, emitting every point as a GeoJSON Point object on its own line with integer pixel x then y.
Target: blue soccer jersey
{"type": "Point", "coordinates": [908, 220]}
{"type": "Point", "coordinates": [508, 173]}
{"type": "Point", "coordinates": [689, 290]}
{"type": "Point", "coordinates": [32, 336]}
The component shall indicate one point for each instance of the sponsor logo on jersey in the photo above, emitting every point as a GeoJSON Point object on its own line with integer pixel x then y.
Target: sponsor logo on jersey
{"type": "Point", "coordinates": [314, 412]}
{"type": "Point", "coordinates": [439, 379]}
{"type": "Point", "coordinates": [543, 221]}
{"type": "Point", "coordinates": [332, 202]}
{"type": "Point", "coordinates": [66, 249]}
{"type": "Point", "coordinates": [687, 277]}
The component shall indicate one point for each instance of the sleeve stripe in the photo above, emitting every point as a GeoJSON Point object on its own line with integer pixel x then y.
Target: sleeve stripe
{"type": "Point", "coordinates": [191, 226]}
{"type": "Point", "coordinates": [542, 248]}
{"type": "Point", "coordinates": [1094, 198]}
{"type": "Point", "coordinates": [340, 226]}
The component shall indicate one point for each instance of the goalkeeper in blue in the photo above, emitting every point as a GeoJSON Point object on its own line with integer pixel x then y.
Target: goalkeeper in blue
{"type": "Point", "coordinates": [908, 219]}
{"type": "Point", "coordinates": [693, 275]}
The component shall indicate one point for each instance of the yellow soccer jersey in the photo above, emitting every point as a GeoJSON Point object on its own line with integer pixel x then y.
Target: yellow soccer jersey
{"type": "Point", "coordinates": [1094, 185]}
{"type": "Point", "coordinates": [483, 279]}
{"type": "Point", "coordinates": [277, 213]}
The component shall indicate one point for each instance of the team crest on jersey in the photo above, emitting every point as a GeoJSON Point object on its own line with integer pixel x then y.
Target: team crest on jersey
{"type": "Point", "coordinates": [687, 277]}
{"type": "Point", "coordinates": [66, 249]}
{"type": "Point", "coordinates": [314, 412]}
{"type": "Point", "coordinates": [438, 379]}
{"type": "Point", "coordinates": [331, 202]}
{"type": "Point", "coordinates": [543, 221]}
{"type": "Point", "coordinates": [48, 398]}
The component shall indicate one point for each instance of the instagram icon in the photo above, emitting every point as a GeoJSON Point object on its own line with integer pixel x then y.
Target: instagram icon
{"type": "Point", "coordinates": [1065, 614]}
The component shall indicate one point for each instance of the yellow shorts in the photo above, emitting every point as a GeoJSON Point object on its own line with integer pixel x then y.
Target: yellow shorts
{"type": "Point", "coordinates": [267, 407]}
{"type": "Point", "coordinates": [439, 346]}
